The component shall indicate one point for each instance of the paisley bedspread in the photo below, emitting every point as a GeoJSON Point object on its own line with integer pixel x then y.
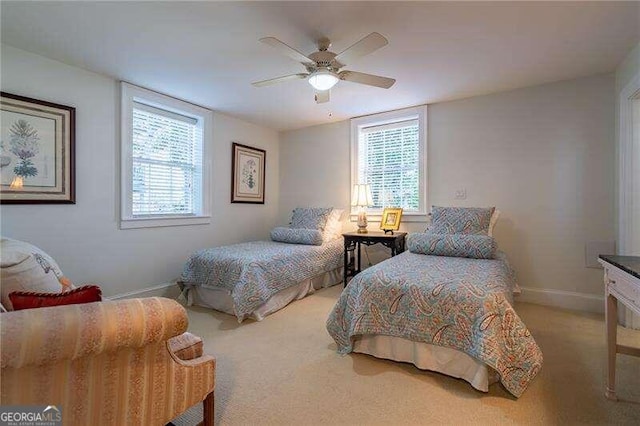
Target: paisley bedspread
{"type": "Point", "coordinates": [253, 272]}
{"type": "Point", "coordinates": [456, 302]}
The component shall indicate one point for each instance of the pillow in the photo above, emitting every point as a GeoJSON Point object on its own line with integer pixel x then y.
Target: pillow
{"type": "Point", "coordinates": [311, 237]}
{"type": "Point", "coordinates": [333, 228]}
{"type": "Point", "coordinates": [492, 222]}
{"type": "Point", "coordinates": [461, 220]}
{"type": "Point", "coordinates": [453, 245]}
{"type": "Point", "coordinates": [24, 267]}
{"type": "Point", "coordinates": [310, 218]}
{"type": "Point", "coordinates": [30, 300]}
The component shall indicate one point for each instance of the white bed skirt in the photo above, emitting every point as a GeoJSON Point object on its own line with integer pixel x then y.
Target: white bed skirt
{"type": "Point", "coordinates": [428, 357]}
{"type": "Point", "coordinates": [220, 299]}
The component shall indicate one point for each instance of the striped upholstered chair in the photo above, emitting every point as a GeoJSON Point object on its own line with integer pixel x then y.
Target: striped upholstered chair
{"type": "Point", "coordinates": [125, 362]}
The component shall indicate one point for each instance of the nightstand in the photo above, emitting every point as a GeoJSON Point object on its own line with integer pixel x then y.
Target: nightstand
{"type": "Point", "coordinates": [353, 240]}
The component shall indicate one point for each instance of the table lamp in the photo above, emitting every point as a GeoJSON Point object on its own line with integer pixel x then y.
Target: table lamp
{"type": "Point", "coordinates": [362, 199]}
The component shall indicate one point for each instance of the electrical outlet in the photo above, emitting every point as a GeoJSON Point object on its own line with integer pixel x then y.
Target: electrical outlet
{"type": "Point", "coordinates": [461, 194]}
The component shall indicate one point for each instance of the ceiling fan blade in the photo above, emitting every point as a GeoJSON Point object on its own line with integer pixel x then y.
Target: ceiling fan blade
{"type": "Point", "coordinates": [279, 79]}
{"type": "Point", "coordinates": [286, 49]}
{"type": "Point", "coordinates": [368, 44]}
{"type": "Point", "coordinates": [322, 96]}
{"type": "Point", "coordinates": [369, 79]}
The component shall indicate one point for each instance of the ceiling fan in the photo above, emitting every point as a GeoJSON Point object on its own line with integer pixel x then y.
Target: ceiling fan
{"type": "Point", "coordinates": [323, 66]}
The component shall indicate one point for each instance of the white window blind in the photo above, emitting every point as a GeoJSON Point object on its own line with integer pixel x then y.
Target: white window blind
{"type": "Point", "coordinates": [167, 163]}
{"type": "Point", "coordinates": [389, 160]}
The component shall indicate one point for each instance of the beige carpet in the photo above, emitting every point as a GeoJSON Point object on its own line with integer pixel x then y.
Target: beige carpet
{"type": "Point", "coordinates": [284, 370]}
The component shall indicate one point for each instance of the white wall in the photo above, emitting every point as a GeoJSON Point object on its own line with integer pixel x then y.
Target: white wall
{"type": "Point", "coordinates": [543, 155]}
{"type": "Point", "coordinates": [85, 238]}
{"type": "Point", "coordinates": [628, 69]}
{"type": "Point", "coordinates": [625, 74]}
{"type": "Point", "coordinates": [317, 168]}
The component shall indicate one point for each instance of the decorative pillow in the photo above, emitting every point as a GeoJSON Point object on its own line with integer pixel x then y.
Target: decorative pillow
{"type": "Point", "coordinates": [186, 346]}
{"type": "Point", "coordinates": [461, 220]}
{"type": "Point", "coordinates": [30, 300]}
{"type": "Point", "coordinates": [453, 245]}
{"type": "Point", "coordinates": [24, 267]}
{"type": "Point", "coordinates": [333, 228]}
{"type": "Point", "coordinates": [310, 218]}
{"type": "Point", "coordinates": [311, 237]}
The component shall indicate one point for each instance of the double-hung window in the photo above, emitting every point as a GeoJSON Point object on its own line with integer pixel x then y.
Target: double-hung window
{"type": "Point", "coordinates": [164, 160]}
{"type": "Point", "coordinates": [388, 152]}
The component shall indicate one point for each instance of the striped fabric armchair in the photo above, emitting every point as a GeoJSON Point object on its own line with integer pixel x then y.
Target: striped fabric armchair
{"type": "Point", "coordinates": [125, 362]}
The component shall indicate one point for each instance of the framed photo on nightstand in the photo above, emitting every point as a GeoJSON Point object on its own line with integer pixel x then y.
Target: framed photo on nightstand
{"type": "Point", "coordinates": [391, 217]}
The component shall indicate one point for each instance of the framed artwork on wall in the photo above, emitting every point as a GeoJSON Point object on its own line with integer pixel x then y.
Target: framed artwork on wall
{"type": "Point", "coordinates": [247, 174]}
{"type": "Point", "coordinates": [391, 219]}
{"type": "Point", "coordinates": [37, 151]}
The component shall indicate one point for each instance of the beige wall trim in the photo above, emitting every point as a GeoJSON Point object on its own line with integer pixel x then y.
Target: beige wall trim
{"type": "Point", "coordinates": [169, 290]}
{"type": "Point", "coordinates": [562, 299]}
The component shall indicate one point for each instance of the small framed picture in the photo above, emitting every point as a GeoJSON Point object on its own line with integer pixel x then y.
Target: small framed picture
{"type": "Point", "coordinates": [37, 147]}
{"type": "Point", "coordinates": [391, 219]}
{"type": "Point", "coordinates": [247, 174]}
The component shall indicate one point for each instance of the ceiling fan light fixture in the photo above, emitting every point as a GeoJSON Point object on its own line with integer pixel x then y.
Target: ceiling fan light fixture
{"type": "Point", "coordinates": [323, 79]}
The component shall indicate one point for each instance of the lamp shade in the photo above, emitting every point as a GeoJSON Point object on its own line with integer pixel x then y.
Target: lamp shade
{"type": "Point", "coordinates": [361, 195]}
{"type": "Point", "coordinates": [323, 79]}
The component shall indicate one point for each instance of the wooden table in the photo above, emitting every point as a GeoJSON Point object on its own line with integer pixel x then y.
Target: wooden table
{"type": "Point", "coordinates": [621, 283]}
{"type": "Point", "coordinates": [353, 240]}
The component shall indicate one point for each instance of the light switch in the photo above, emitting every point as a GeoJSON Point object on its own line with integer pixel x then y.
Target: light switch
{"type": "Point", "coordinates": [461, 194]}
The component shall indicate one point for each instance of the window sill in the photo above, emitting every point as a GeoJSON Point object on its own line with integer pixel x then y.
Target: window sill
{"type": "Point", "coordinates": [133, 223]}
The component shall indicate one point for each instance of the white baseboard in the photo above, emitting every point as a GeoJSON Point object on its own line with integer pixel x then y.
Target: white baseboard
{"type": "Point", "coordinates": [169, 290]}
{"type": "Point", "coordinates": [562, 299]}
{"type": "Point", "coordinates": [556, 298]}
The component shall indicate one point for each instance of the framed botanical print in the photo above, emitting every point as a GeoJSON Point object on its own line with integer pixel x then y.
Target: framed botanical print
{"type": "Point", "coordinates": [247, 174]}
{"type": "Point", "coordinates": [37, 149]}
{"type": "Point", "coordinates": [391, 219]}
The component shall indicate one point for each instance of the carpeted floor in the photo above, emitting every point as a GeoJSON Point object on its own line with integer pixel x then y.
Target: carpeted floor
{"type": "Point", "coordinates": [284, 370]}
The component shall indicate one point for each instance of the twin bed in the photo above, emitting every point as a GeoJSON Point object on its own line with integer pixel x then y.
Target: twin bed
{"type": "Point", "coordinates": [445, 305]}
{"type": "Point", "coordinates": [452, 315]}
{"type": "Point", "coordinates": [255, 279]}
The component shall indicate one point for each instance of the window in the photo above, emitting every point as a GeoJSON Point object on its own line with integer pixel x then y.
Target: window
{"type": "Point", "coordinates": [164, 162]}
{"type": "Point", "coordinates": [389, 153]}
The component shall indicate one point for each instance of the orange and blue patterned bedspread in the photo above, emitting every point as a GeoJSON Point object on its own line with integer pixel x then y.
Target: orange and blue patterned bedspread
{"type": "Point", "coordinates": [455, 302]}
{"type": "Point", "coordinates": [255, 271]}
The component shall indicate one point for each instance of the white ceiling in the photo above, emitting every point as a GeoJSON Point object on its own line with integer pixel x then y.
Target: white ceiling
{"type": "Point", "coordinates": [208, 52]}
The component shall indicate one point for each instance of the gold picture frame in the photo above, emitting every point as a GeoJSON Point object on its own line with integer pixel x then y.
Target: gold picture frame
{"type": "Point", "coordinates": [37, 151]}
{"type": "Point", "coordinates": [391, 217]}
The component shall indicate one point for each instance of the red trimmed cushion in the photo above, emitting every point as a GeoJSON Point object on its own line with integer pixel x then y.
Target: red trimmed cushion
{"type": "Point", "coordinates": [29, 300]}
